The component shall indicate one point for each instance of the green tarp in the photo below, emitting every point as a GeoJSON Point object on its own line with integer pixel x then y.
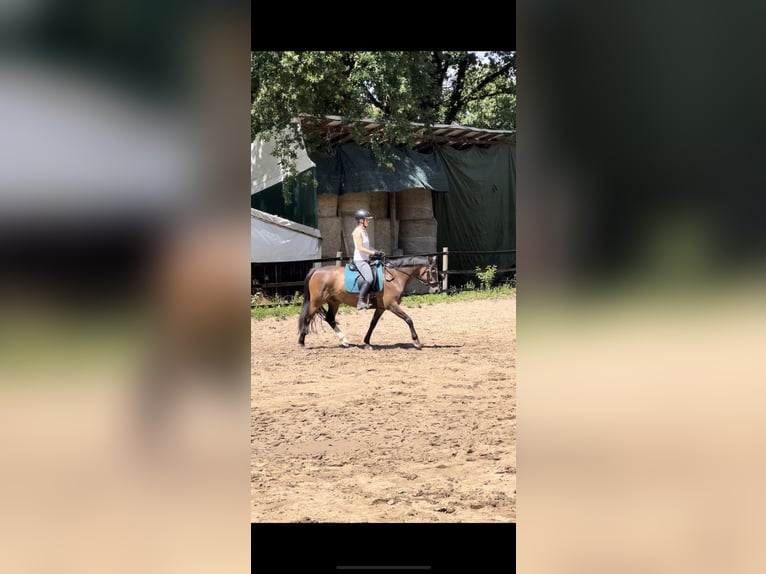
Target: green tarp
{"type": "Point", "coordinates": [479, 212]}
{"type": "Point", "coordinates": [302, 207]}
{"type": "Point", "coordinates": [351, 168]}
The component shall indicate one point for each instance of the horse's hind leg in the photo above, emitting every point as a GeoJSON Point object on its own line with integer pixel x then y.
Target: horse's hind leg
{"type": "Point", "coordinates": [308, 311]}
{"type": "Point", "coordinates": [332, 310]}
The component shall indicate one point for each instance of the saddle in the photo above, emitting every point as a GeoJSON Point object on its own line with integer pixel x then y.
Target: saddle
{"type": "Point", "coordinates": [352, 278]}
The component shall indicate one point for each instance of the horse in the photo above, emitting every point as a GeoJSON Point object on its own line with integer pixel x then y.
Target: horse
{"type": "Point", "coordinates": [326, 285]}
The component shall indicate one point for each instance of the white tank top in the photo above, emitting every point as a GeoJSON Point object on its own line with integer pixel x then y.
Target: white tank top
{"type": "Point", "coordinates": [366, 243]}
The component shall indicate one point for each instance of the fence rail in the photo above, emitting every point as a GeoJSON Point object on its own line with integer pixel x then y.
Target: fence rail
{"type": "Point", "coordinates": [339, 260]}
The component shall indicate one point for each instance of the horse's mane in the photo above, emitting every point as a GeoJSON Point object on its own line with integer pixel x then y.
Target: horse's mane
{"type": "Point", "coordinates": [408, 261]}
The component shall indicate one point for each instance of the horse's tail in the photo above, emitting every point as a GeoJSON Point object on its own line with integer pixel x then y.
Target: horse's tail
{"type": "Point", "coordinates": [304, 316]}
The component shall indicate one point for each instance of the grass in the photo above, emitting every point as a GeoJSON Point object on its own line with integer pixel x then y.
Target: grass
{"type": "Point", "coordinates": [293, 307]}
{"type": "Point", "coordinates": [62, 345]}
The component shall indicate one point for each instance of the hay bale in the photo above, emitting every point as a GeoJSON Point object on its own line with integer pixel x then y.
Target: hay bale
{"type": "Point", "coordinates": [383, 236]}
{"type": "Point", "coordinates": [348, 203]}
{"type": "Point", "coordinates": [349, 223]}
{"type": "Point", "coordinates": [331, 242]}
{"type": "Point", "coordinates": [414, 203]}
{"type": "Point", "coordinates": [417, 236]}
{"type": "Point", "coordinates": [327, 204]}
{"type": "Point", "coordinates": [379, 204]}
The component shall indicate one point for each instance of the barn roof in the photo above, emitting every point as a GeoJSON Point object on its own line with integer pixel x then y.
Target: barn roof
{"type": "Point", "coordinates": [336, 131]}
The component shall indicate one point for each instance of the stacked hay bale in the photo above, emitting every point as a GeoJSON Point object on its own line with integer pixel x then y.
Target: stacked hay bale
{"type": "Point", "coordinates": [329, 225]}
{"type": "Point", "coordinates": [327, 204]}
{"type": "Point", "coordinates": [417, 227]}
{"type": "Point", "coordinates": [381, 222]}
{"type": "Point", "coordinates": [347, 206]}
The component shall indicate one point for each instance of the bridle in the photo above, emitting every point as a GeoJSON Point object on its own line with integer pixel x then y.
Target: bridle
{"type": "Point", "coordinates": [432, 274]}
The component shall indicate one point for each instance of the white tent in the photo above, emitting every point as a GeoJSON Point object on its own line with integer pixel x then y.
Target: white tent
{"type": "Point", "coordinates": [265, 170]}
{"type": "Point", "coordinates": [274, 239]}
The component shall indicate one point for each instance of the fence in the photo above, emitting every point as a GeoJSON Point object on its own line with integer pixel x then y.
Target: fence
{"type": "Point", "coordinates": [284, 278]}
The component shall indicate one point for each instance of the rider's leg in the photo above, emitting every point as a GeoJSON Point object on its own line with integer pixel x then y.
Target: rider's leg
{"type": "Point", "coordinates": [366, 276]}
{"type": "Point", "coordinates": [363, 292]}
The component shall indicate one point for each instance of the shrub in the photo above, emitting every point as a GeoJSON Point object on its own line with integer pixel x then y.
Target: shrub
{"type": "Point", "coordinates": [487, 276]}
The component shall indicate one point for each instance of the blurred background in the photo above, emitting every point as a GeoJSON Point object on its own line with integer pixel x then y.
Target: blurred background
{"type": "Point", "coordinates": [641, 311]}
{"type": "Point", "coordinates": [124, 280]}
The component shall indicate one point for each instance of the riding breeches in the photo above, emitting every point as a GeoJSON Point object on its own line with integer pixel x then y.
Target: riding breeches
{"type": "Point", "coordinates": [364, 269]}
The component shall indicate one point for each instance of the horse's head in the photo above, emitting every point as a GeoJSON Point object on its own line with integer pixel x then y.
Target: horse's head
{"type": "Point", "coordinates": [429, 274]}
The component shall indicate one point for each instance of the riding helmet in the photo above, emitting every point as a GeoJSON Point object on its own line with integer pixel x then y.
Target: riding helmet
{"type": "Point", "coordinates": [362, 214]}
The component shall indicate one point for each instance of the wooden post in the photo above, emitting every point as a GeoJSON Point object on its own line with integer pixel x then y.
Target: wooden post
{"type": "Point", "coordinates": [394, 224]}
{"type": "Point", "coordinates": [339, 255]}
{"type": "Point", "coordinates": [445, 266]}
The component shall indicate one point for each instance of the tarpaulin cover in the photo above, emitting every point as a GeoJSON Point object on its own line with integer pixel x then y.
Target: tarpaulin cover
{"type": "Point", "coordinates": [275, 239]}
{"type": "Point", "coordinates": [479, 212]}
{"type": "Point", "coordinates": [351, 168]}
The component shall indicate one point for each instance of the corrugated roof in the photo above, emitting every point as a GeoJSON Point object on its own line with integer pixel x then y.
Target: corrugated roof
{"type": "Point", "coordinates": [336, 131]}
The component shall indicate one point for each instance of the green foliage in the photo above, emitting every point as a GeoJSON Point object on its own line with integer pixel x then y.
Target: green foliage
{"type": "Point", "coordinates": [487, 276]}
{"type": "Point", "coordinates": [477, 89]}
{"type": "Point", "coordinates": [489, 99]}
{"type": "Point", "coordinates": [279, 312]}
{"type": "Point", "coordinates": [261, 301]}
{"type": "Point", "coordinates": [293, 182]}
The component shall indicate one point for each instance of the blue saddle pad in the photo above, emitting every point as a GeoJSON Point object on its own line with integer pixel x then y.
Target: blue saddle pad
{"type": "Point", "coordinates": [350, 277]}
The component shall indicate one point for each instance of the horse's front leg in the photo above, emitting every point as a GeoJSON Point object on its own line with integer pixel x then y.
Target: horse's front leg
{"type": "Point", "coordinates": [397, 310]}
{"type": "Point", "coordinates": [378, 312]}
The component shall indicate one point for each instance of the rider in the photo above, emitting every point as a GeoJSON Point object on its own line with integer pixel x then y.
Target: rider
{"type": "Point", "coordinates": [362, 254]}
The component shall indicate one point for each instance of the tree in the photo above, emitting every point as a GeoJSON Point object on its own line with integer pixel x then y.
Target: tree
{"type": "Point", "coordinates": [477, 89]}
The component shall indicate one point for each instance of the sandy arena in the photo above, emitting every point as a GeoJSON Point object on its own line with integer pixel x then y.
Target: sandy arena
{"type": "Point", "coordinates": [392, 434]}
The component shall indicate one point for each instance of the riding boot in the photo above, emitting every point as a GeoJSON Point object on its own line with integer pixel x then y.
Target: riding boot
{"type": "Point", "coordinates": [363, 302]}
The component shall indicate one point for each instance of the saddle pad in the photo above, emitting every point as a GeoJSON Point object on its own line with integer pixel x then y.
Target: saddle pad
{"type": "Point", "coordinates": [350, 277]}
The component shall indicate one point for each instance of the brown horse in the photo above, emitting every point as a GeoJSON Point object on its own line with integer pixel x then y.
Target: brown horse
{"type": "Point", "coordinates": [326, 285]}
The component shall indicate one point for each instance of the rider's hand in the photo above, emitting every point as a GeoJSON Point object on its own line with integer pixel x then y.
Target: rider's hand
{"type": "Point", "coordinates": [379, 255]}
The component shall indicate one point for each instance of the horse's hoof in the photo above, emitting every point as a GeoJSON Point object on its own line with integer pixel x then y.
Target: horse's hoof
{"type": "Point", "coordinates": [417, 345]}
{"type": "Point", "coordinates": [368, 346]}
{"type": "Point", "coordinates": [345, 345]}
